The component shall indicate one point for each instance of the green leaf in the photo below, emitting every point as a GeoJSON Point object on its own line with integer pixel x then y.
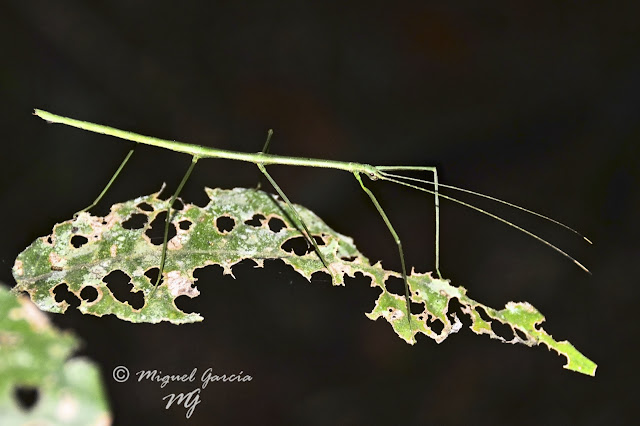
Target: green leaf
{"type": "Point", "coordinates": [54, 261]}
{"type": "Point", "coordinates": [34, 354]}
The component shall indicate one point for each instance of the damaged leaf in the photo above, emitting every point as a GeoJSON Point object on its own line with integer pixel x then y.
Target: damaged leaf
{"type": "Point", "coordinates": [235, 225]}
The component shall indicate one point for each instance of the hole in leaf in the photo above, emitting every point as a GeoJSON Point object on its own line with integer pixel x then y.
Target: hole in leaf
{"type": "Point", "coordinates": [299, 245]}
{"type": "Point", "coordinates": [186, 304]}
{"type": "Point", "coordinates": [145, 207]}
{"type": "Point", "coordinates": [435, 324]}
{"type": "Point", "coordinates": [119, 284]}
{"type": "Point", "coordinates": [225, 224]}
{"type": "Point", "coordinates": [276, 224]}
{"type": "Point", "coordinates": [255, 221]}
{"type": "Point", "coordinates": [177, 204]}
{"type": "Point", "coordinates": [49, 240]}
{"type": "Point", "coordinates": [152, 274]}
{"type": "Point", "coordinates": [136, 221]}
{"type": "Point", "coordinates": [395, 285]}
{"type": "Point", "coordinates": [156, 230]}
{"type": "Point", "coordinates": [349, 258]}
{"type": "Point", "coordinates": [89, 293]}
{"type": "Point", "coordinates": [78, 241]}
{"type": "Point", "coordinates": [416, 308]}
{"type": "Point", "coordinates": [456, 308]}
{"type": "Point", "coordinates": [483, 314]}
{"type": "Point", "coordinates": [502, 330]}
{"type": "Point", "coordinates": [185, 224]}
{"type": "Point", "coordinates": [62, 293]}
{"type": "Point", "coordinates": [27, 396]}
{"type": "Point", "coordinates": [358, 278]}
{"type": "Point", "coordinates": [322, 276]}
{"type": "Point", "coordinates": [521, 334]}
{"type": "Point", "coordinates": [74, 229]}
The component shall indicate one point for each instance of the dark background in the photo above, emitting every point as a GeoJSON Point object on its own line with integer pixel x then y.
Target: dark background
{"type": "Point", "coordinates": [533, 103]}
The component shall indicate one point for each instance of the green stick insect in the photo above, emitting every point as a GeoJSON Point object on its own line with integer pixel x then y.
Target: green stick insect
{"type": "Point", "coordinates": [263, 159]}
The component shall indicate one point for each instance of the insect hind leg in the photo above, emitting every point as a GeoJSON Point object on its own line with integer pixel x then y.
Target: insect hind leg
{"type": "Point", "coordinates": [297, 220]}
{"type": "Point", "coordinates": [106, 188]}
{"type": "Point", "coordinates": [163, 256]}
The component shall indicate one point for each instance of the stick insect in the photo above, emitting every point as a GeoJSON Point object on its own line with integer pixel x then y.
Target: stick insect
{"type": "Point", "coordinates": [264, 158]}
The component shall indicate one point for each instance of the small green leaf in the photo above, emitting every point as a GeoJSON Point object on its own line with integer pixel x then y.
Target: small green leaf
{"type": "Point", "coordinates": [112, 246]}
{"type": "Point", "coordinates": [34, 354]}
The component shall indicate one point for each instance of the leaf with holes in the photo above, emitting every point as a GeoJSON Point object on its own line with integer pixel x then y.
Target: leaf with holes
{"type": "Point", "coordinates": [34, 359]}
{"type": "Point", "coordinates": [81, 256]}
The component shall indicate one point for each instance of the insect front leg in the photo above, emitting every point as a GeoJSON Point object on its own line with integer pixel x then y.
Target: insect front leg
{"type": "Point", "coordinates": [436, 198]}
{"type": "Point", "coordinates": [407, 297]}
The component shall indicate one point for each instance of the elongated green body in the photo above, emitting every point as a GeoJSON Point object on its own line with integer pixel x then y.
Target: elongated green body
{"type": "Point", "coordinates": [207, 152]}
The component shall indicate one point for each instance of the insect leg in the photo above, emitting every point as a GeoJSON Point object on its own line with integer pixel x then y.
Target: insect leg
{"type": "Point", "coordinates": [296, 217]}
{"type": "Point", "coordinates": [398, 243]}
{"type": "Point", "coordinates": [265, 150]}
{"type": "Point", "coordinates": [104, 191]}
{"type": "Point", "coordinates": [194, 160]}
{"type": "Point", "coordinates": [436, 201]}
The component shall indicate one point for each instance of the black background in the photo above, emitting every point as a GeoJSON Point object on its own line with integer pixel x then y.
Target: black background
{"type": "Point", "coordinates": [535, 103]}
